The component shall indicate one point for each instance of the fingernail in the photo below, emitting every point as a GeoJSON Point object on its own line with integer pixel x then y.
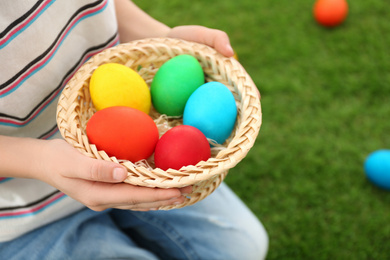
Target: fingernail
{"type": "Point", "coordinates": [119, 174]}
{"type": "Point", "coordinates": [230, 49]}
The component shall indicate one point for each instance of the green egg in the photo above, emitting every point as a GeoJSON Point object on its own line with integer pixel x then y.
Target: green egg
{"type": "Point", "coordinates": [174, 83]}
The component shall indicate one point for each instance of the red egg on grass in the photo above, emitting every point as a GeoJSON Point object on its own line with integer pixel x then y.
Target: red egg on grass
{"type": "Point", "coordinates": [330, 13]}
{"type": "Point", "coordinates": [123, 132]}
{"type": "Point", "coordinates": [180, 146]}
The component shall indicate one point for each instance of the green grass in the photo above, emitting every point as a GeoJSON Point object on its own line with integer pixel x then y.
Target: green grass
{"type": "Point", "coordinates": [326, 106]}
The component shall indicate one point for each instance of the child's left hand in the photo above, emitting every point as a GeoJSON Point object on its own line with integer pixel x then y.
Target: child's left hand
{"type": "Point", "coordinates": [212, 37]}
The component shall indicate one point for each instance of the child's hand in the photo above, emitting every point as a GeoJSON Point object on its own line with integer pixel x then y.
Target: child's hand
{"type": "Point", "coordinates": [98, 184]}
{"type": "Point", "coordinates": [211, 37]}
{"type": "Point", "coordinates": [217, 39]}
{"type": "Point", "coordinates": [134, 24]}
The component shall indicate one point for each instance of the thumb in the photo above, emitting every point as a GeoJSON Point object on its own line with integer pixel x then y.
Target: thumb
{"type": "Point", "coordinates": [103, 171]}
{"type": "Point", "coordinates": [68, 162]}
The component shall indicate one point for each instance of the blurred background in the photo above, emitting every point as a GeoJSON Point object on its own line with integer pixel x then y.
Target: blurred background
{"type": "Point", "coordinates": [325, 96]}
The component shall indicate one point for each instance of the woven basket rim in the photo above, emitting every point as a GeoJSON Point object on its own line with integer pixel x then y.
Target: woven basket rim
{"type": "Point", "coordinates": [149, 51]}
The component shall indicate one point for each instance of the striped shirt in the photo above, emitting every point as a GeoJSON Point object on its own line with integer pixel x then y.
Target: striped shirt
{"type": "Point", "coordinates": [42, 44]}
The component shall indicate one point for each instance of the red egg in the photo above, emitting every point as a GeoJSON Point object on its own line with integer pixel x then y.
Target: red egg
{"type": "Point", "coordinates": [123, 132]}
{"type": "Point", "coordinates": [181, 146]}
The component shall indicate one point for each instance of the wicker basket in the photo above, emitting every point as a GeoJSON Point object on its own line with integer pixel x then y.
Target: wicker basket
{"type": "Point", "coordinates": [146, 56]}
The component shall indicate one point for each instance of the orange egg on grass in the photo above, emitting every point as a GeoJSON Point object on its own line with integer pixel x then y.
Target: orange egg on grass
{"type": "Point", "coordinates": [330, 13]}
{"type": "Point", "coordinates": [124, 132]}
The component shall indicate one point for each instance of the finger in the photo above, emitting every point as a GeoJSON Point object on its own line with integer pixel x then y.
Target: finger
{"type": "Point", "coordinates": [152, 205]}
{"type": "Point", "coordinates": [76, 165]}
{"type": "Point", "coordinates": [100, 170]}
{"type": "Point", "coordinates": [106, 195]}
{"type": "Point", "coordinates": [104, 171]}
{"type": "Point", "coordinates": [217, 39]}
{"type": "Point", "coordinates": [212, 37]}
{"type": "Point", "coordinates": [220, 41]}
{"type": "Point", "coordinates": [186, 190]}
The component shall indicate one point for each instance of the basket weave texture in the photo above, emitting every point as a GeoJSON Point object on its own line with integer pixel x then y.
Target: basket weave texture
{"type": "Point", "coordinates": [146, 56]}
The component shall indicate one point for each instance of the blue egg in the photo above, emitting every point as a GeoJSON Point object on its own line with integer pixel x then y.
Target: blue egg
{"type": "Point", "coordinates": [212, 109]}
{"type": "Point", "coordinates": [377, 168]}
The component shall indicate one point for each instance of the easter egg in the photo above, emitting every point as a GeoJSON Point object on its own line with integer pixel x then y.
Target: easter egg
{"type": "Point", "coordinates": [377, 168]}
{"type": "Point", "coordinates": [181, 146]}
{"type": "Point", "coordinates": [212, 109]}
{"type": "Point", "coordinates": [114, 84]}
{"type": "Point", "coordinates": [330, 13]}
{"type": "Point", "coordinates": [235, 55]}
{"type": "Point", "coordinates": [174, 82]}
{"type": "Point", "coordinates": [124, 132]}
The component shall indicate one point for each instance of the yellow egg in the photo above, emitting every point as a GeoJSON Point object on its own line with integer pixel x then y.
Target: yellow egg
{"type": "Point", "coordinates": [235, 55]}
{"type": "Point", "coordinates": [114, 84]}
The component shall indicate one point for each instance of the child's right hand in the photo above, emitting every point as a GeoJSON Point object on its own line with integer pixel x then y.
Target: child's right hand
{"type": "Point", "coordinates": [99, 184]}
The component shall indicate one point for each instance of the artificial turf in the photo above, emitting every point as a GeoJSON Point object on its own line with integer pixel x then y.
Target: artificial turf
{"type": "Point", "coordinates": [325, 97]}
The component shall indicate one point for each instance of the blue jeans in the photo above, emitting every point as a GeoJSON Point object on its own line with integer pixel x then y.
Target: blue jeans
{"type": "Point", "coordinates": [219, 227]}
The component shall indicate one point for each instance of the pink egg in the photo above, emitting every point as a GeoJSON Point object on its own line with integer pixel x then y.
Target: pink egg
{"type": "Point", "coordinates": [180, 146]}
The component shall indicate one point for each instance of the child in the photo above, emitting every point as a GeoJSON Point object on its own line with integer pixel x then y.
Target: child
{"type": "Point", "coordinates": [56, 203]}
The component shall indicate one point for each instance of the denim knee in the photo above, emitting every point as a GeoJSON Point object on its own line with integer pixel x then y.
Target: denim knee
{"type": "Point", "coordinates": [247, 244]}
